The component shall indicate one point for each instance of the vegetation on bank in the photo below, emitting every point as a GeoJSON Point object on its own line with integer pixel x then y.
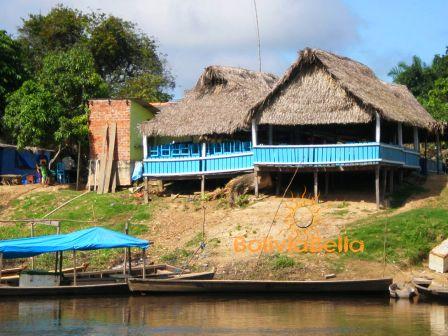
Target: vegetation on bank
{"type": "Point", "coordinates": [406, 237]}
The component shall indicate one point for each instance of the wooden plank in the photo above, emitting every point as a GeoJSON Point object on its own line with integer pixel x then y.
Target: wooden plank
{"type": "Point", "coordinates": [103, 158]}
{"type": "Point", "coordinates": [113, 187]}
{"type": "Point", "coordinates": [110, 157]}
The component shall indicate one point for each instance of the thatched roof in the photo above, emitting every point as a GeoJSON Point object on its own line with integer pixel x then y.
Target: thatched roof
{"type": "Point", "coordinates": [323, 88]}
{"type": "Point", "coordinates": [218, 104]}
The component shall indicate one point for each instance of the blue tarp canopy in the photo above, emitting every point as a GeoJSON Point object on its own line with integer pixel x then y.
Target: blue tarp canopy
{"type": "Point", "coordinates": [94, 238]}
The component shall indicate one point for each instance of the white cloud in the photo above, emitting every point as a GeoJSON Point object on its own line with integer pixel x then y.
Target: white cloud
{"type": "Point", "coordinates": [197, 33]}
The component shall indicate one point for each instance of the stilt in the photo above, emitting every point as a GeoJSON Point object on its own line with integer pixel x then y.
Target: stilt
{"type": "Point", "coordinates": [146, 193]}
{"type": "Point", "coordinates": [383, 188]}
{"type": "Point", "coordinates": [391, 181]}
{"type": "Point", "coordinates": [278, 185]}
{"type": "Point", "coordinates": [377, 186]}
{"type": "Point", "coordinates": [256, 182]}
{"type": "Point", "coordinates": [316, 186]}
{"type": "Point", "coordinates": [400, 176]}
{"type": "Point", "coordinates": [203, 185]}
{"type": "Point", "coordinates": [327, 182]}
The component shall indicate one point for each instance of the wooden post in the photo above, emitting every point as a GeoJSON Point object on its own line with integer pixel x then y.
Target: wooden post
{"type": "Point", "coordinates": [58, 254]}
{"type": "Point", "coordinates": [204, 163]}
{"type": "Point", "coordinates": [145, 147]}
{"type": "Point", "coordinates": [144, 263]}
{"type": "Point", "coordinates": [400, 176]}
{"type": "Point", "coordinates": [256, 191]}
{"type": "Point", "coordinates": [128, 250]}
{"type": "Point", "coordinates": [270, 134]}
{"type": "Point", "coordinates": [383, 189]}
{"type": "Point", "coordinates": [146, 193]}
{"type": "Point", "coordinates": [327, 182]}
{"type": "Point", "coordinates": [400, 134]}
{"type": "Point", "coordinates": [60, 261]}
{"type": "Point", "coordinates": [378, 128]}
{"type": "Point", "coordinates": [391, 181]}
{"type": "Point", "coordinates": [75, 275]}
{"type": "Point", "coordinates": [254, 133]}
{"type": "Point", "coordinates": [56, 262]}
{"type": "Point", "coordinates": [89, 175]}
{"type": "Point", "coordinates": [1, 266]}
{"type": "Point", "coordinates": [78, 165]}
{"type": "Point", "coordinates": [438, 152]}
{"type": "Point", "coordinates": [95, 185]}
{"type": "Point", "coordinates": [377, 186]}
{"type": "Point", "coordinates": [416, 144]}
{"type": "Point", "coordinates": [203, 185]}
{"type": "Point", "coordinates": [278, 184]}
{"type": "Point", "coordinates": [316, 186]}
{"type": "Point", "coordinates": [32, 235]}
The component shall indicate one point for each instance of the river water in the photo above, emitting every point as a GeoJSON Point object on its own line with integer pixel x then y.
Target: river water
{"type": "Point", "coordinates": [218, 315]}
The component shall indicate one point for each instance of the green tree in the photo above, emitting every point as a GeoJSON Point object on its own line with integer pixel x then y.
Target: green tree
{"type": "Point", "coordinates": [12, 72]}
{"type": "Point", "coordinates": [59, 30]}
{"type": "Point", "coordinates": [126, 58]}
{"type": "Point", "coordinates": [428, 83]}
{"type": "Point", "coordinates": [52, 109]}
{"type": "Point", "coordinates": [437, 102]}
{"type": "Point", "coordinates": [417, 76]}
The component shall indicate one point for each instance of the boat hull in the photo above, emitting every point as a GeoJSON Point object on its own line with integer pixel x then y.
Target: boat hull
{"type": "Point", "coordinates": [97, 289]}
{"type": "Point", "coordinates": [259, 286]}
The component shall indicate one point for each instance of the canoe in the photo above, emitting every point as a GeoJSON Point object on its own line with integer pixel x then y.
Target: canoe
{"type": "Point", "coordinates": [259, 286]}
{"type": "Point", "coordinates": [66, 271]}
{"type": "Point", "coordinates": [13, 271]}
{"type": "Point", "coordinates": [95, 283]}
{"type": "Point", "coordinates": [88, 289]}
{"type": "Point", "coordinates": [141, 285]}
{"type": "Point", "coordinates": [401, 292]}
{"type": "Point", "coordinates": [432, 292]}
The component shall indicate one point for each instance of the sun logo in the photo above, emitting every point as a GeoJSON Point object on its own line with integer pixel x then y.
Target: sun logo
{"type": "Point", "coordinates": [303, 213]}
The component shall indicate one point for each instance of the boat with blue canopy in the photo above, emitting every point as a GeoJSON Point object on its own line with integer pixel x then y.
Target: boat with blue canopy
{"type": "Point", "coordinates": [34, 282]}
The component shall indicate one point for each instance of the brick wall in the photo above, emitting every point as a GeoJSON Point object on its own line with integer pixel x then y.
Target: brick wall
{"type": "Point", "coordinates": [104, 112]}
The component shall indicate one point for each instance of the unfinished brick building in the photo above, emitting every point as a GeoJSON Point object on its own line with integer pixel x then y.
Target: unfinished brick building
{"type": "Point", "coordinates": [127, 114]}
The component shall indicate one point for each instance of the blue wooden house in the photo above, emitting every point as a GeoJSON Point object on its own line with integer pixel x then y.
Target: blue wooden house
{"type": "Point", "coordinates": [331, 114]}
{"type": "Point", "coordinates": [206, 134]}
{"type": "Point", "coordinates": [327, 115]}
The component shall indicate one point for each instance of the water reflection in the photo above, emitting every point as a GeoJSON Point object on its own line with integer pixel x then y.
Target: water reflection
{"type": "Point", "coordinates": [199, 315]}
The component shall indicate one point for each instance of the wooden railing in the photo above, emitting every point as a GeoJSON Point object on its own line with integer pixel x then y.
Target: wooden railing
{"type": "Point", "coordinates": [335, 154]}
{"type": "Point", "coordinates": [289, 155]}
{"type": "Point", "coordinates": [198, 165]}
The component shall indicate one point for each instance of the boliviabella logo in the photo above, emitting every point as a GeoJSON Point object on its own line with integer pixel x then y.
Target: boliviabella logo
{"type": "Point", "coordinates": [301, 233]}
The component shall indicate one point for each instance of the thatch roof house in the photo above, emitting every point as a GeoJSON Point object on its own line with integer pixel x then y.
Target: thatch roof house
{"type": "Point", "coordinates": [217, 105]}
{"type": "Point", "coordinates": [323, 88]}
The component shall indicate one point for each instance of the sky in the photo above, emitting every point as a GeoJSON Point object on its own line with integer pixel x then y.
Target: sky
{"type": "Point", "coordinates": [196, 33]}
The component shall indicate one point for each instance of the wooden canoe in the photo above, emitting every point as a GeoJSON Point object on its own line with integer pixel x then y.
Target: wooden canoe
{"type": "Point", "coordinates": [13, 271]}
{"type": "Point", "coordinates": [66, 271]}
{"type": "Point", "coordinates": [259, 286]}
{"type": "Point", "coordinates": [88, 289]}
{"type": "Point", "coordinates": [433, 293]}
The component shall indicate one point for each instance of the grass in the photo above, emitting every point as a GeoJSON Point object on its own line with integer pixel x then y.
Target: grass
{"type": "Point", "coordinates": [281, 261]}
{"type": "Point", "coordinates": [400, 196]}
{"type": "Point", "coordinates": [109, 210]}
{"type": "Point", "coordinates": [176, 257]}
{"type": "Point", "coordinates": [409, 235]}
